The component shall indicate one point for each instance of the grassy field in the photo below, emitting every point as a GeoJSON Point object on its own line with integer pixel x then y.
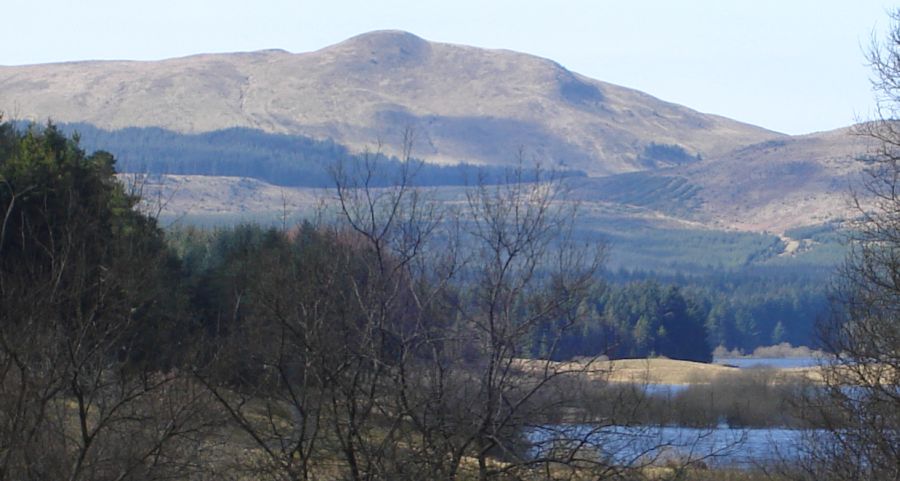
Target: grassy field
{"type": "Point", "coordinates": [662, 371]}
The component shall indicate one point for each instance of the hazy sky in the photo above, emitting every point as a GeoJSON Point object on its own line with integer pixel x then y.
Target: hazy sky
{"type": "Point", "coordinates": [794, 66]}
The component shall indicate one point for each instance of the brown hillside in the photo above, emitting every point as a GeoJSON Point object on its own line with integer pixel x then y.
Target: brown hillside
{"type": "Point", "coordinates": [464, 103]}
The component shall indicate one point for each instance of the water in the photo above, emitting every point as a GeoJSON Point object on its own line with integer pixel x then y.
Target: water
{"type": "Point", "coordinates": [775, 362]}
{"type": "Point", "coordinates": [662, 390]}
{"type": "Point", "coordinates": [657, 390]}
{"type": "Point", "coordinates": [720, 446]}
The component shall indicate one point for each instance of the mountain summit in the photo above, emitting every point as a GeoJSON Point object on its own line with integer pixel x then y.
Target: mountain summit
{"type": "Point", "coordinates": [463, 103]}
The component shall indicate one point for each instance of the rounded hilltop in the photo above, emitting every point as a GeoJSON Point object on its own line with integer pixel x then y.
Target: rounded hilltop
{"type": "Point", "coordinates": [387, 48]}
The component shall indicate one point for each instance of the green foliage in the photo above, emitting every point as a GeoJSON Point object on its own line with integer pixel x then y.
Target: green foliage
{"type": "Point", "coordinates": [648, 319]}
{"type": "Point", "coordinates": [641, 319]}
{"type": "Point", "coordinates": [645, 313]}
{"type": "Point", "coordinates": [752, 307]}
{"type": "Point", "coordinates": [90, 315]}
{"type": "Point", "coordinates": [71, 227]}
{"type": "Point", "coordinates": [739, 278]}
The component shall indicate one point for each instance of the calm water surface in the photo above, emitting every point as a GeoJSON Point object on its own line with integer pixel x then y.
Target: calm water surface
{"type": "Point", "coordinates": [720, 446]}
{"type": "Point", "coordinates": [776, 362]}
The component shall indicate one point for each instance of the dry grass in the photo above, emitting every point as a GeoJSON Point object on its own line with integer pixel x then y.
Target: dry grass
{"type": "Point", "coordinates": [666, 371]}
{"type": "Point", "coordinates": [658, 371]}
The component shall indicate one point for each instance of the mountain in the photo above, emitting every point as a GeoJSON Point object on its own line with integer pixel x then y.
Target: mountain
{"type": "Point", "coordinates": [463, 103]}
{"type": "Point", "coordinates": [668, 186]}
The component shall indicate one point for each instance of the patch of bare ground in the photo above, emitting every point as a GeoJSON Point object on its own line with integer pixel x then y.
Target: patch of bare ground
{"type": "Point", "coordinates": [176, 195]}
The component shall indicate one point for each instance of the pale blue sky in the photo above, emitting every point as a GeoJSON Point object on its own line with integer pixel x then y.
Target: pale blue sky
{"type": "Point", "coordinates": [794, 66]}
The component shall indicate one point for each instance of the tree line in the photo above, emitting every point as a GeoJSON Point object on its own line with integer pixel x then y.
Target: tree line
{"type": "Point", "coordinates": [279, 159]}
{"type": "Point", "coordinates": [626, 315]}
{"type": "Point", "coordinates": [752, 307]}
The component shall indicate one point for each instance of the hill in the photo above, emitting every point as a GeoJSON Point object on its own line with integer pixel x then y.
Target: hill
{"type": "Point", "coordinates": [772, 186]}
{"type": "Point", "coordinates": [464, 103]}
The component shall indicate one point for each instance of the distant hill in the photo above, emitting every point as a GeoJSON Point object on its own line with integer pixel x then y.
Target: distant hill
{"type": "Point", "coordinates": [772, 186]}
{"type": "Point", "coordinates": [464, 103]}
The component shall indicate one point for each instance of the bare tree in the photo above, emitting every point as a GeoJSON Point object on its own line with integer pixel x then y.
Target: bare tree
{"type": "Point", "coordinates": [860, 405]}
{"type": "Point", "coordinates": [410, 257]}
{"type": "Point", "coordinates": [270, 371]}
{"type": "Point", "coordinates": [317, 374]}
{"type": "Point", "coordinates": [529, 278]}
